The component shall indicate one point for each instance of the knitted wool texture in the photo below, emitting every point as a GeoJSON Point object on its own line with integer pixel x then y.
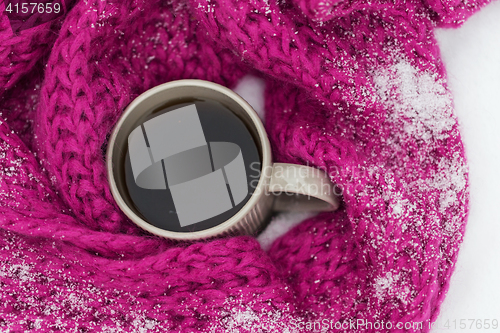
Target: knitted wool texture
{"type": "Point", "coordinates": [354, 87]}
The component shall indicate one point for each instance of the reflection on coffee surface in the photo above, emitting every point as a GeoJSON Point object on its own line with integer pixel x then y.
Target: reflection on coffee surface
{"type": "Point", "coordinates": [191, 166]}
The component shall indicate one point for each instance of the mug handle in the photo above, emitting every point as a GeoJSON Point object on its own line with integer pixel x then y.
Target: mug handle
{"type": "Point", "coordinates": [302, 188]}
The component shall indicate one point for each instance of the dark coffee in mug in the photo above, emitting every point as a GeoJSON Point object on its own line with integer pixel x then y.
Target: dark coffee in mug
{"type": "Point", "coordinates": [190, 159]}
{"type": "Point", "coordinates": [190, 166]}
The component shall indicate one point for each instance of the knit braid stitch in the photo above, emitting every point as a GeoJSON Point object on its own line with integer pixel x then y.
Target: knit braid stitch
{"type": "Point", "coordinates": [388, 138]}
{"type": "Point", "coordinates": [391, 253]}
{"type": "Point", "coordinates": [60, 280]}
{"type": "Point", "coordinates": [21, 71]}
{"type": "Point", "coordinates": [355, 88]}
{"type": "Point", "coordinates": [86, 88]}
{"type": "Point", "coordinates": [19, 53]}
{"type": "Point", "coordinates": [18, 104]}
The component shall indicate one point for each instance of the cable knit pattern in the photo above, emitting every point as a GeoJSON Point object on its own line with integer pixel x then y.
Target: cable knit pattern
{"type": "Point", "coordinates": [355, 88]}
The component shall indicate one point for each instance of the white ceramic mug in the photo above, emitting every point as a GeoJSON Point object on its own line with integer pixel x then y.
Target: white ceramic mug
{"type": "Point", "coordinates": [281, 186]}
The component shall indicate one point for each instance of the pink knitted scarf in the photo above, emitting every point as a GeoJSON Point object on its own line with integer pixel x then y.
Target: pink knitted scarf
{"type": "Point", "coordinates": [355, 87]}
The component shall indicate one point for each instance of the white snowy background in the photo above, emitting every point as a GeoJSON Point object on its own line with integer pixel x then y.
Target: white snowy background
{"type": "Point", "coordinates": [472, 57]}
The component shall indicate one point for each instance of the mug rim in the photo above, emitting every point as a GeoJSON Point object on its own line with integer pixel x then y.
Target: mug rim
{"type": "Point", "coordinates": [259, 191]}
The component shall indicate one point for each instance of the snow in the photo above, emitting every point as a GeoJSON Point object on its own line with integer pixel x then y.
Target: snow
{"type": "Point", "coordinates": [417, 97]}
{"type": "Point", "coordinates": [384, 288]}
{"type": "Point", "coordinates": [472, 58]}
{"type": "Point", "coordinates": [240, 316]}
